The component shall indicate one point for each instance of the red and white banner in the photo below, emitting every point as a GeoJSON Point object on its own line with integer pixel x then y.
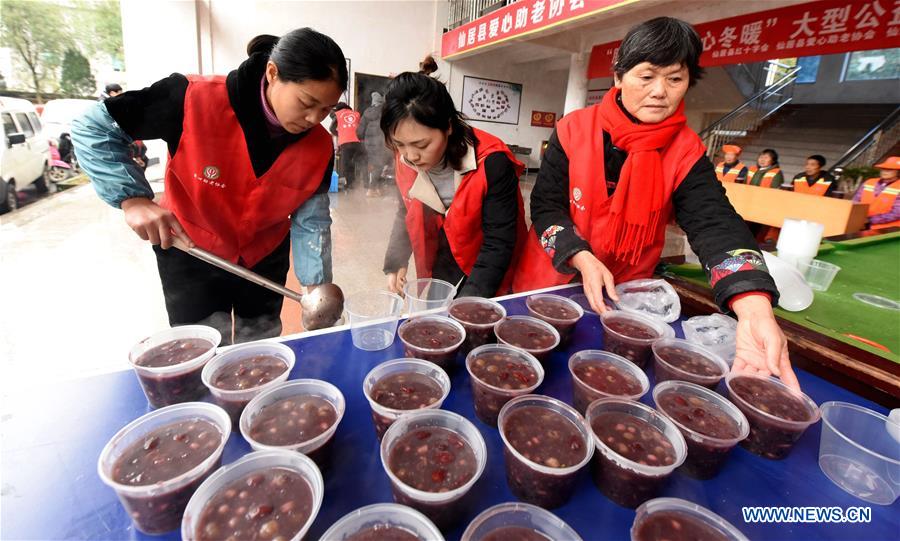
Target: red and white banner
{"type": "Point", "coordinates": [517, 19]}
{"type": "Point", "coordinates": [816, 28]}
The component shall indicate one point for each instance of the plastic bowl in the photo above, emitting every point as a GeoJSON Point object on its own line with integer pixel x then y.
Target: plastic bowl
{"type": "Point", "coordinates": [563, 326]}
{"type": "Point", "coordinates": [634, 348]}
{"type": "Point", "coordinates": [380, 516]}
{"type": "Point", "coordinates": [444, 357]}
{"type": "Point", "coordinates": [246, 465]}
{"type": "Point", "coordinates": [477, 334]}
{"type": "Point", "coordinates": [518, 515]}
{"type": "Point", "coordinates": [383, 416]}
{"type": "Point", "coordinates": [490, 399]}
{"type": "Point", "coordinates": [665, 370]}
{"type": "Point", "coordinates": [234, 401]}
{"type": "Point", "coordinates": [158, 508]}
{"type": "Point", "coordinates": [540, 354]}
{"type": "Point", "coordinates": [858, 453]}
{"type": "Point", "coordinates": [685, 512]}
{"type": "Point", "coordinates": [583, 393]}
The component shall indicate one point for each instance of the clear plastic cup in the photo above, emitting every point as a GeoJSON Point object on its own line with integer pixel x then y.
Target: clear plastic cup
{"type": "Point", "coordinates": [585, 390]}
{"type": "Point", "coordinates": [379, 518]}
{"type": "Point", "coordinates": [622, 480]}
{"type": "Point", "coordinates": [506, 334]}
{"type": "Point", "coordinates": [818, 274]}
{"type": "Point", "coordinates": [158, 508]}
{"type": "Point", "coordinates": [477, 334]}
{"type": "Point", "coordinates": [444, 357]}
{"type": "Point", "coordinates": [258, 461]}
{"type": "Point", "coordinates": [715, 332]}
{"type": "Point", "coordinates": [620, 337]}
{"type": "Point", "coordinates": [692, 370]}
{"type": "Point", "coordinates": [535, 483]}
{"type": "Point", "coordinates": [858, 453]}
{"type": "Point", "coordinates": [427, 294]}
{"type": "Point", "coordinates": [234, 401]}
{"type": "Point", "coordinates": [688, 515]}
{"type": "Point", "coordinates": [706, 454]}
{"type": "Point", "coordinates": [771, 436]}
{"type": "Point", "coordinates": [316, 448]}
{"type": "Point", "coordinates": [373, 318]}
{"type": "Point", "coordinates": [167, 385]}
{"type": "Point", "coordinates": [383, 417]}
{"type": "Point", "coordinates": [490, 399]}
{"type": "Point", "coordinates": [444, 508]}
{"type": "Point", "coordinates": [536, 303]}
{"type": "Point", "coordinates": [506, 520]}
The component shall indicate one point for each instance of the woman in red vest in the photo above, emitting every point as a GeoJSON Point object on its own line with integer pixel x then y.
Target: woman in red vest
{"type": "Point", "coordinates": [615, 173]}
{"type": "Point", "coordinates": [248, 173]}
{"type": "Point", "coordinates": [351, 155]}
{"type": "Point", "coordinates": [461, 213]}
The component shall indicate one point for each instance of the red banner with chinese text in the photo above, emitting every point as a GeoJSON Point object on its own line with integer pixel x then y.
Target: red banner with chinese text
{"type": "Point", "coordinates": [517, 19]}
{"type": "Point", "coordinates": [815, 28]}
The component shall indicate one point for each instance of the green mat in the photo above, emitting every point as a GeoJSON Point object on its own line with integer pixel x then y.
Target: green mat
{"type": "Point", "coordinates": [868, 265]}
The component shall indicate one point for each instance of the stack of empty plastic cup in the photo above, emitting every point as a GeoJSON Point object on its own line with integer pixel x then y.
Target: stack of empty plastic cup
{"type": "Point", "coordinates": [798, 241]}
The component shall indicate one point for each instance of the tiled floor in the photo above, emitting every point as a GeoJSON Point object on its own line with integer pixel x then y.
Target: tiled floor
{"type": "Point", "coordinates": [80, 288]}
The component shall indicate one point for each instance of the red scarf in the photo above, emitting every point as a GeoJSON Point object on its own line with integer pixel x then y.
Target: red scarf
{"type": "Point", "coordinates": [643, 190]}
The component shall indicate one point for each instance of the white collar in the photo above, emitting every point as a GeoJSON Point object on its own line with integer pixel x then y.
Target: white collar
{"type": "Point", "coordinates": [423, 189]}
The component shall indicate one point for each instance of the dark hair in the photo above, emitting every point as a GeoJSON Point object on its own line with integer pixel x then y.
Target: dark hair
{"type": "Point", "coordinates": [662, 41]}
{"type": "Point", "coordinates": [113, 87]}
{"type": "Point", "coordinates": [426, 100]}
{"type": "Point", "coordinates": [302, 55]}
{"type": "Point", "coordinates": [819, 158]}
{"type": "Point", "coordinates": [772, 154]}
{"type": "Point", "coordinates": [428, 66]}
{"type": "Point", "coordinates": [341, 106]}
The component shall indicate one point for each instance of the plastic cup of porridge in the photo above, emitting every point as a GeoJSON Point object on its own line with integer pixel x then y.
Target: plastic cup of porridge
{"type": "Point", "coordinates": [395, 388]}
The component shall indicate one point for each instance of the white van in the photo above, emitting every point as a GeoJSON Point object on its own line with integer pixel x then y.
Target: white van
{"type": "Point", "coordinates": [24, 151]}
{"type": "Point", "coordinates": [58, 115]}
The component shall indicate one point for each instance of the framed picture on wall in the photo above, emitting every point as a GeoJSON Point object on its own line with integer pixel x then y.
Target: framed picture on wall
{"type": "Point", "coordinates": [365, 84]}
{"type": "Point", "coordinates": [487, 100]}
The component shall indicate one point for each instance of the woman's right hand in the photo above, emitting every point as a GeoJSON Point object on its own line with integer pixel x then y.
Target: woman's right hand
{"type": "Point", "coordinates": [594, 276]}
{"type": "Point", "coordinates": [396, 281]}
{"type": "Point", "coordinates": [153, 223]}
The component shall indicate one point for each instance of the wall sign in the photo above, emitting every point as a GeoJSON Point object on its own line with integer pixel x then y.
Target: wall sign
{"type": "Point", "coordinates": [491, 101]}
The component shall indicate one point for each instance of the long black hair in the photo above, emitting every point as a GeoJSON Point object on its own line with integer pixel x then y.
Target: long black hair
{"type": "Point", "coordinates": [663, 41]}
{"type": "Point", "coordinates": [426, 100]}
{"type": "Point", "coordinates": [302, 55]}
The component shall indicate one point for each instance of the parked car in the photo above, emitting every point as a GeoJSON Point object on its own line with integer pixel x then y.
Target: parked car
{"type": "Point", "coordinates": [58, 115]}
{"type": "Point", "coordinates": [24, 152]}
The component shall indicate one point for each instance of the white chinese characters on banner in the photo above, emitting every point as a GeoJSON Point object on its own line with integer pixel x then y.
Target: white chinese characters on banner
{"type": "Point", "coordinates": [491, 101]}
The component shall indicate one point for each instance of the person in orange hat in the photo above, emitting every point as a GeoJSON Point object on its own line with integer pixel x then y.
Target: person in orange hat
{"type": "Point", "coordinates": [881, 195]}
{"type": "Point", "coordinates": [731, 169]}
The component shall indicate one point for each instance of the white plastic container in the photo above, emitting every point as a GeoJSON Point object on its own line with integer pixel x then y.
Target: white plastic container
{"type": "Point", "coordinates": [167, 385]}
{"type": "Point", "coordinates": [798, 241]}
{"type": "Point", "coordinates": [381, 515]}
{"type": "Point", "coordinates": [373, 318]}
{"type": "Point", "coordinates": [317, 447]}
{"type": "Point", "coordinates": [143, 502]}
{"type": "Point", "coordinates": [234, 401]}
{"type": "Point", "coordinates": [384, 417]}
{"type": "Point", "coordinates": [443, 508]}
{"type": "Point", "coordinates": [246, 465]}
{"type": "Point", "coordinates": [858, 453]}
{"type": "Point", "coordinates": [426, 294]}
{"type": "Point", "coordinates": [519, 515]}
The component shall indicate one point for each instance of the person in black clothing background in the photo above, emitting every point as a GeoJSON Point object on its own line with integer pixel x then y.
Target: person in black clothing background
{"type": "Point", "coordinates": [460, 211]}
{"type": "Point", "coordinates": [612, 228]}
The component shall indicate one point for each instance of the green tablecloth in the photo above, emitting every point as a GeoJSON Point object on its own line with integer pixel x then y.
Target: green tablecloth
{"type": "Point", "coordinates": [868, 265]}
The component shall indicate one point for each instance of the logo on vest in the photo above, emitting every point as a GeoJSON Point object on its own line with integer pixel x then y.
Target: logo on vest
{"type": "Point", "coordinates": [576, 193]}
{"type": "Point", "coordinates": [211, 172]}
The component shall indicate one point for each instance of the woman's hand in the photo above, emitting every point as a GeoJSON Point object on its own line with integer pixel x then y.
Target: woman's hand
{"type": "Point", "coordinates": [761, 346]}
{"type": "Point", "coordinates": [153, 223]}
{"type": "Point", "coordinates": [396, 281]}
{"type": "Point", "coordinates": [595, 276]}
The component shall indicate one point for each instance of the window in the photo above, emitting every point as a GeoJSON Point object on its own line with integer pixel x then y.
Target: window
{"type": "Point", "coordinates": [872, 65]}
{"type": "Point", "coordinates": [8, 125]}
{"type": "Point", "coordinates": [35, 121]}
{"type": "Point", "coordinates": [809, 69]}
{"type": "Point", "coordinates": [24, 124]}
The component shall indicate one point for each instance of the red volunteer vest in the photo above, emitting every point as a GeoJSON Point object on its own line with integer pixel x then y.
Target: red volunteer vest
{"type": "Point", "coordinates": [582, 139]}
{"type": "Point", "coordinates": [881, 203]}
{"type": "Point", "coordinates": [819, 187]}
{"type": "Point", "coordinates": [212, 189]}
{"type": "Point", "coordinates": [347, 122]}
{"type": "Point", "coordinates": [462, 223]}
{"type": "Point", "coordinates": [732, 174]}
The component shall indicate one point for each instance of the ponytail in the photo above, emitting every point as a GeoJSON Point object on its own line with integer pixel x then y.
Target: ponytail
{"type": "Point", "coordinates": [262, 43]}
{"type": "Point", "coordinates": [428, 65]}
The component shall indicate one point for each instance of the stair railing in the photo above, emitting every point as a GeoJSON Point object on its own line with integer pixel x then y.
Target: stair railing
{"type": "Point", "coordinates": [871, 147]}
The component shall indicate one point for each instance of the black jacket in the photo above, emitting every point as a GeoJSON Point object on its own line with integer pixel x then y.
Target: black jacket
{"type": "Point", "coordinates": [157, 112]}
{"type": "Point", "coordinates": [715, 231]}
{"type": "Point", "coordinates": [498, 216]}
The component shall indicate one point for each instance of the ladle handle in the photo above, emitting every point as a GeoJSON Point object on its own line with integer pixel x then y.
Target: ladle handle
{"type": "Point", "coordinates": [237, 270]}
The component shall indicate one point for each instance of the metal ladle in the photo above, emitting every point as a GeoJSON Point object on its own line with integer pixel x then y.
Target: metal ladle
{"type": "Point", "coordinates": [320, 308]}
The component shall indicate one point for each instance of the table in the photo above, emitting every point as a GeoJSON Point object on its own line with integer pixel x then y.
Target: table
{"type": "Point", "coordinates": [51, 442]}
{"type": "Point", "coordinates": [817, 335]}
